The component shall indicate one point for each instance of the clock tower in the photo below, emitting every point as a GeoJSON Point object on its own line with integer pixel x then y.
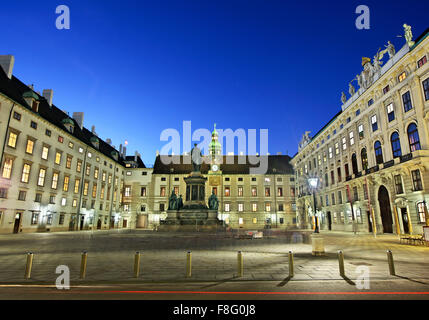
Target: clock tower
{"type": "Point", "coordinates": [215, 149]}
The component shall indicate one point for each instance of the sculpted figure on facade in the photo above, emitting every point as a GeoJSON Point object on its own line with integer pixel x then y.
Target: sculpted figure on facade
{"type": "Point", "coordinates": [408, 34]}
{"type": "Point", "coordinates": [390, 49]}
{"type": "Point", "coordinates": [343, 97]}
{"type": "Point", "coordinates": [352, 89]}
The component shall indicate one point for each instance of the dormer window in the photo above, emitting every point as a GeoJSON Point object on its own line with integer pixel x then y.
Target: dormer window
{"type": "Point", "coordinates": [114, 154]}
{"type": "Point", "coordinates": [32, 100]}
{"type": "Point", "coordinates": [68, 124]}
{"type": "Point", "coordinates": [95, 142]}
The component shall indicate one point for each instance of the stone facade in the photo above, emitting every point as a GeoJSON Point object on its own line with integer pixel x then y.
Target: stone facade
{"type": "Point", "coordinates": [374, 152]}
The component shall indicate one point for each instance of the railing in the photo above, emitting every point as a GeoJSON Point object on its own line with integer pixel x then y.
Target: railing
{"type": "Point", "coordinates": [406, 157]}
{"type": "Point", "coordinates": [389, 164]}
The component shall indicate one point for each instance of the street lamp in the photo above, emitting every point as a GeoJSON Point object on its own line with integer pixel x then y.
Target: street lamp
{"type": "Point", "coordinates": [313, 182]}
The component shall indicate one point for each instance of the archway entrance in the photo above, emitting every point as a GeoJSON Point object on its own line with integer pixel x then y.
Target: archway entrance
{"type": "Point", "coordinates": [385, 210]}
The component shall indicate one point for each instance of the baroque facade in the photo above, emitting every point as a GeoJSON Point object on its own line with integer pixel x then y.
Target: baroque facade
{"type": "Point", "coordinates": [371, 160]}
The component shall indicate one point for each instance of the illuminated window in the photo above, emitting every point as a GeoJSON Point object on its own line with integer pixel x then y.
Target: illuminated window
{"type": "Point", "coordinates": [337, 148]}
{"type": "Point", "coordinates": [12, 139]}
{"type": "Point", "coordinates": [162, 192]}
{"type": "Point", "coordinates": [254, 220]}
{"type": "Point", "coordinates": [254, 207]}
{"type": "Point", "coordinates": [94, 190]}
{"type": "Point", "coordinates": [280, 192]}
{"type": "Point", "coordinates": [330, 153]}
{"type": "Point", "coordinates": [421, 212]}
{"type": "Point", "coordinates": [267, 192]}
{"type": "Point", "coordinates": [227, 192]}
{"type": "Point", "coordinates": [71, 145]}
{"type": "Point", "coordinates": [66, 183]}
{"type": "Point", "coordinates": [74, 203]}
{"type": "Point", "coordinates": [417, 180]}
{"type": "Point", "coordinates": [127, 192]}
{"type": "Point", "coordinates": [360, 131]}
{"type": "Point", "coordinates": [103, 176]}
{"type": "Point", "coordinates": [63, 201]}
{"type": "Point", "coordinates": [79, 165]}
{"type": "Point", "coordinates": [344, 144]}
{"type": "Point", "coordinates": [413, 137]}
{"type": "Point", "coordinates": [374, 123]}
{"type": "Point", "coordinates": [254, 192]}
{"type": "Point", "coordinates": [41, 180]}
{"type": "Point", "coordinates": [143, 192]}
{"type": "Point", "coordinates": [240, 191]}
{"type": "Point", "coordinates": [7, 168]}
{"type": "Point", "coordinates": [390, 112]}
{"type": "Point", "coordinates": [227, 207]}
{"type": "Point", "coordinates": [45, 152]}
{"type": "Point", "coordinates": [58, 157]}
{"type": "Point", "coordinates": [267, 207]}
{"type": "Point", "coordinates": [421, 62]}
{"type": "Point", "coordinates": [402, 76]}
{"type": "Point", "coordinates": [30, 146]}
{"type": "Point", "coordinates": [88, 169]}
{"type": "Point", "coordinates": [351, 137]}
{"type": "Point", "coordinates": [60, 139]}
{"type": "Point", "coordinates": [102, 192]}
{"type": "Point", "coordinates": [25, 173]}
{"type": "Point", "coordinates": [240, 207]}
{"type": "Point", "coordinates": [54, 180]}
{"type": "Point", "coordinates": [95, 173]}
{"type": "Point", "coordinates": [85, 188]}
{"type": "Point", "coordinates": [240, 221]}
{"type": "Point", "coordinates": [68, 161]}
{"type": "Point", "coordinates": [76, 185]}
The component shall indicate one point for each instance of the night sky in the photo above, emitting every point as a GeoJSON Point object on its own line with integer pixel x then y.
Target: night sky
{"type": "Point", "coordinates": [138, 67]}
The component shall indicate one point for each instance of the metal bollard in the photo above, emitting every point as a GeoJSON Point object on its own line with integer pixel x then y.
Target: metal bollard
{"type": "Point", "coordinates": [28, 266]}
{"type": "Point", "coordinates": [189, 264]}
{"type": "Point", "coordinates": [391, 264]}
{"type": "Point", "coordinates": [291, 271]}
{"type": "Point", "coordinates": [83, 265]}
{"type": "Point", "coordinates": [341, 263]}
{"type": "Point", "coordinates": [137, 264]}
{"type": "Point", "coordinates": [240, 265]}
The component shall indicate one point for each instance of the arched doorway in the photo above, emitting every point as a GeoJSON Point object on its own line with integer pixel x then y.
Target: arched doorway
{"type": "Point", "coordinates": [385, 210]}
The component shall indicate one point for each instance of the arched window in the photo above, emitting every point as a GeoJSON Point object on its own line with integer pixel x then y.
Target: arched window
{"type": "Point", "coordinates": [364, 158]}
{"type": "Point", "coordinates": [354, 164]}
{"type": "Point", "coordinates": [413, 137]}
{"type": "Point", "coordinates": [378, 152]}
{"type": "Point", "coordinates": [396, 145]}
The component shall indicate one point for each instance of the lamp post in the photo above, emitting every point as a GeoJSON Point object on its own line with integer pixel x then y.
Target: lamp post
{"type": "Point", "coordinates": [313, 182]}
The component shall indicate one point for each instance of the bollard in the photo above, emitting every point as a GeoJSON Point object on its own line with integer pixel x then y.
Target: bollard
{"type": "Point", "coordinates": [391, 264]}
{"type": "Point", "coordinates": [240, 266]}
{"type": "Point", "coordinates": [341, 263]}
{"type": "Point", "coordinates": [291, 271]}
{"type": "Point", "coordinates": [137, 264]}
{"type": "Point", "coordinates": [83, 265]}
{"type": "Point", "coordinates": [189, 264]}
{"type": "Point", "coordinates": [28, 266]}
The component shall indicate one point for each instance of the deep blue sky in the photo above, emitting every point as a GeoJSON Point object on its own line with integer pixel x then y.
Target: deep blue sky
{"type": "Point", "coordinates": [138, 67]}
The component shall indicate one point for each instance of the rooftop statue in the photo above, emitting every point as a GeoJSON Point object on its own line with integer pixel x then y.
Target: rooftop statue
{"type": "Point", "coordinates": [352, 89]}
{"type": "Point", "coordinates": [390, 49]}
{"type": "Point", "coordinates": [343, 97]}
{"type": "Point", "coordinates": [408, 34]}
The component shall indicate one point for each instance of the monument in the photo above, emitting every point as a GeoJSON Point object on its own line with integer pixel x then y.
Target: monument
{"type": "Point", "coordinates": [193, 213]}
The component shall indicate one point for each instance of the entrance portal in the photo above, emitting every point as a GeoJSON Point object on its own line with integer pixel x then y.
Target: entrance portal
{"type": "Point", "coordinates": [368, 214]}
{"type": "Point", "coordinates": [404, 215]}
{"type": "Point", "coordinates": [385, 210]}
{"type": "Point", "coordinates": [17, 223]}
{"type": "Point", "coordinates": [329, 221]}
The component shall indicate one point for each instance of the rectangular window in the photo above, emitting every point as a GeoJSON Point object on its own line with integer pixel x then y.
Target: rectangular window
{"type": "Point", "coordinates": [357, 112]}
{"type": "Point", "coordinates": [61, 220]}
{"type": "Point", "coordinates": [11, 142]}
{"type": "Point", "coordinates": [79, 165]}
{"type": "Point", "coordinates": [374, 123]}
{"type": "Point", "coordinates": [333, 198]}
{"type": "Point", "coordinates": [54, 180]}
{"type": "Point", "coordinates": [344, 144]}
{"type": "Point", "coordinates": [332, 177]}
{"type": "Point", "coordinates": [390, 112]}
{"type": "Point", "coordinates": [240, 191]}
{"type": "Point", "coordinates": [421, 212]}
{"type": "Point", "coordinates": [95, 173]}
{"type": "Point", "coordinates": [406, 99]}
{"type": "Point", "coordinates": [426, 89]}
{"type": "Point", "coordinates": [127, 192]}
{"type": "Point", "coordinates": [402, 76]}
{"type": "Point", "coordinates": [17, 116]}
{"type": "Point", "coordinates": [162, 192]}
{"type": "Point", "coordinates": [143, 191]}
{"type": "Point", "coordinates": [267, 192]}
{"type": "Point", "coordinates": [30, 146]}
{"type": "Point", "coordinates": [88, 169]}
{"type": "Point", "coordinates": [240, 207]}
{"type": "Point", "coordinates": [227, 207]}
{"type": "Point", "coordinates": [41, 180]}
{"type": "Point", "coordinates": [355, 194]}
{"type": "Point", "coordinates": [58, 157]}
{"type": "Point", "coordinates": [398, 184]}
{"type": "Point", "coordinates": [267, 207]}
{"type": "Point", "coordinates": [351, 137]}
{"type": "Point", "coordinates": [48, 132]}
{"type": "Point", "coordinates": [7, 168]}
{"type": "Point", "coordinates": [94, 190]}
{"type": "Point", "coordinates": [25, 173]}
{"type": "Point", "coordinates": [330, 153]}
{"type": "Point", "coordinates": [161, 207]}
{"type": "Point", "coordinates": [340, 198]}
{"type": "Point", "coordinates": [34, 218]}
{"type": "Point", "coordinates": [38, 197]}
{"type": "Point", "coordinates": [45, 152]}
{"type": "Point", "coordinates": [176, 190]}
{"type": "Point", "coordinates": [254, 192]}
{"type": "Point", "coordinates": [417, 180]}
{"type": "Point", "coordinates": [66, 183]}
{"type": "Point", "coordinates": [102, 192]}
{"type": "Point", "coordinates": [22, 195]}
{"type": "Point", "coordinates": [370, 102]}
{"type": "Point", "coordinates": [227, 192]}
{"type": "Point", "coordinates": [85, 188]}
{"type": "Point", "coordinates": [76, 185]}
{"type": "Point", "coordinates": [337, 149]}
{"type": "Point", "coordinates": [339, 174]}
{"type": "Point", "coordinates": [63, 201]}
{"type": "Point", "coordinates": [386, 89]}
{"type": "Point", "coordinates": [254, 207]}
{"type": "Point", "coordinates": [33, 125]}
{"type": "Point", "coordinates": [421, 62]}
{"type": "Point", "coordinates": [280, 192]}
{"type": "Point", "coordinates": [60, 139]}
{"type": "Point", "coordinates": [292, 192]}
{"type": "Point", "coordinates": [365, 191]}
{"type": "Point", "coordinates": [360, 130]}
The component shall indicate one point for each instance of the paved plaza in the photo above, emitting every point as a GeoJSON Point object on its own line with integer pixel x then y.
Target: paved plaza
{"type": "Point", "coordinates": [214, 257]}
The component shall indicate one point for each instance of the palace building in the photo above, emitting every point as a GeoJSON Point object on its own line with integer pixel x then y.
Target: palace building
{"type": "Point", "coordinates": [56, 175]}
{"type": "Point", "coordinates": [367, 169]}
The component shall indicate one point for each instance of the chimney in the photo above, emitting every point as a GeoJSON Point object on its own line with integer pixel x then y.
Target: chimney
{"type": "Point", "coordinates": [279, 153]}
{"type": "Point", "coordinates": [135, 156]}
{"type": "Point", "coordinates": [93, 130]}
{"type": "Point", "coordinates": [124, 151]}
{"type": "Point", "coordinates": [120, 149]}
{"type": "Point", "coordinates": [48, 94]}
{"type": "Point", "coordinates": [109, 141]}
{"type": "Point", "coordinates": [7, 62]}
{"type": "Point", "coordinates": [78, 116]}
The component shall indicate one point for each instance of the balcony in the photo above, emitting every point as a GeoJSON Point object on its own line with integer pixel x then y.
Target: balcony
{"type": "Point", "coordinates": [388, 164]}
{"type": "Point", "coordinates": [406, 157]}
